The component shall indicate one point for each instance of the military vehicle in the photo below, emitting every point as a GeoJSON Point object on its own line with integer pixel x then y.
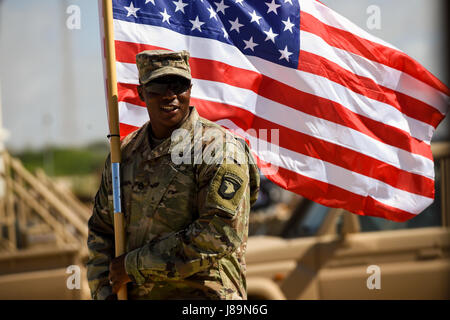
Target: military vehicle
{"type": "Point", "coordinates": [326, 253]}
{"type": "Point", "coordinates": [304, 250]}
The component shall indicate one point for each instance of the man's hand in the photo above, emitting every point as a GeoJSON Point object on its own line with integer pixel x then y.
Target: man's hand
{"type": "Point", "coordinates": [117, 274]}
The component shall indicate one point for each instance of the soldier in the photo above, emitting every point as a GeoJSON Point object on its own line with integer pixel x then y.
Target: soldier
{"type": "Point", "coordinates": [186, 222]}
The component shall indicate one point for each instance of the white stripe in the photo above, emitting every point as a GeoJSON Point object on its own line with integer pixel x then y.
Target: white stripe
{"type": "Point", "coordinates": [309, 83]}
{"type": "Point", "coordinates": [358, 103]}
{"type": "Point", "coordinates": [313, 126]}
{"type": "Point", "coordinates": [226, 53]}
{"type": "Point", "coordinates": [127, 73]}
{"type": "Point", "coordinates": [165, 38]}
{"type": "Point", "coordinates": [132, 115]}
{"type": "Point", "coordinates": [334, 19]}
{"type": "Point", "coordinates": [335, 175]}
{"type": "Point", "coordinates": [383, 75]}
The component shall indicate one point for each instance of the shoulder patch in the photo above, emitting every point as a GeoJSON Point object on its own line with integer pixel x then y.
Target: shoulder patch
{"type": "Point", "coordinates": [227, 188]}
{"type": "Point", "coordinates": [231, 183]}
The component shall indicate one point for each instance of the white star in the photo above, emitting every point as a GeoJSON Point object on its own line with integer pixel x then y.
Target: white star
{"type": "Point", "coordinates": [239, 1]}
{"type": "Point", "coordinates": [235, 25]}
{"type": "Point", "coordinates": [180, 5]}
{"type": "Point", "coordinates": [286, 1]}
{"type": "Point", "coordinates": [270, 35]}
{"type": "Point", "coordinates": [250, 44]}
{"type": "Point", "coordinates": [273, 6]}
{"type": "Point", "coordinates": [212, 13]}
{"type": "Point", "coordinates": [196, 24]}
{"type": "Point", "coordinates": [255, 17]}
{"type": "Point", "coordinates": [225, 33]}
{"type": "Point", "coordinates": [166, 17]}
{"type": "Point", "coordinates": [288, 25]}
{"type": "Point", "coordinates": [132, 10]}
{"type": "Point", "coordinates": [221, 6]}
{"type": "Point", "coordinates": [152, 1]}
{"type": "Point", "coordinates": [285, 54]}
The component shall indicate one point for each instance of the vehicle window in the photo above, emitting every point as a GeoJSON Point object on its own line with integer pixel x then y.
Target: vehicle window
{"type": "Point", "coordinates": [313, 220]}
{"type": "Point", "coordinates": [310, 222]}
{"type": "Point", "coordinates": [430, 217]}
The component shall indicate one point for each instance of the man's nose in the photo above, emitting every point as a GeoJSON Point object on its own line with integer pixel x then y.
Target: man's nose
{"type": "Point", "coordinates": [169, 94]}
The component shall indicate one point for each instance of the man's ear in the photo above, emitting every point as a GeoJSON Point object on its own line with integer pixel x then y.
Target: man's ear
{"type": "Point", "coordinates": [139, 89]}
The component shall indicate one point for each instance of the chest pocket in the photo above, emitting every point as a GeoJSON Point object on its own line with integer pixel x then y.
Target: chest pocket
{"type": "Point", "coordinates": [157, 203]}
{"type": "Point", "coordinates": [177, 208]}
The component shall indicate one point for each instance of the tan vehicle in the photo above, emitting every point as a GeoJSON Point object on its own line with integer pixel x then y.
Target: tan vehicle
{"type": "Point", "coordinates": [324, 253]}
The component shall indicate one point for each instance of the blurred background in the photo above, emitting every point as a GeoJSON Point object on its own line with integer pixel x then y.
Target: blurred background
{"type": "Point", "coordinates": [53, 129]}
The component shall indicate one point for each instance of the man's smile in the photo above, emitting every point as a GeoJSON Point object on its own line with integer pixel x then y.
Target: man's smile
{"type": "Point", "coordinates": [169, 108]}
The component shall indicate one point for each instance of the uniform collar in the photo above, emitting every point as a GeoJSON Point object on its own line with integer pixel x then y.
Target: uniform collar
{"type": "Point", "coordinates": [166, 146]}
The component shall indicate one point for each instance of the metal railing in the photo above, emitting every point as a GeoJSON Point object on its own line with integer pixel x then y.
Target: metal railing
{"type": "Point", "coordinates": [34, 210]}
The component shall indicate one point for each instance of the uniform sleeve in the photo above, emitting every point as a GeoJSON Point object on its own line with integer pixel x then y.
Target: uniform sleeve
{"type": "Point", "coordinates": [224, 205]}
{"type": "Point", "coordinates": [101, 238]}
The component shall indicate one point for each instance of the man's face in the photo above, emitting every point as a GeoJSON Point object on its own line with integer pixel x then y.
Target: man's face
{"type": "Point", "coordinates": [167, 100]}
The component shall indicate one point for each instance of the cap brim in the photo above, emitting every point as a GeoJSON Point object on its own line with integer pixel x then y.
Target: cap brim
{"type": "Point", "coordinates": [166, 71]}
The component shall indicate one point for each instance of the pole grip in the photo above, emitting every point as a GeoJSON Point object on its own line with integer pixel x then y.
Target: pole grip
{"type": "Point", "coordinates": [120, 248]}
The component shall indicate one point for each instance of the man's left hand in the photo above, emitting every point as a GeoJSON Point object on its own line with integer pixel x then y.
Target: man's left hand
{"type": "Point", "coordinates": [117, 273]}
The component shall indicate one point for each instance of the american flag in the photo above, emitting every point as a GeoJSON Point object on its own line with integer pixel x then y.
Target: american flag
{"type": "Point", "coordinates": [355, 115]}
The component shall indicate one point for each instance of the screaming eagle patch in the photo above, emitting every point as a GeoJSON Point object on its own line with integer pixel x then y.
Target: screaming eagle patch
{"type": "Point", "coordinates": [229, 186]}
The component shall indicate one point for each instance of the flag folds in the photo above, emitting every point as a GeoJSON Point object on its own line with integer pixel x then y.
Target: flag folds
{"type": "Point", "coordinates": [337, 115]}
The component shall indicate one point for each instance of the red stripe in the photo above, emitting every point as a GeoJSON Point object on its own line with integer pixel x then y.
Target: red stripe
{"type": "Point", "coordinates": [333, 196]}
{"type": "Point", "coordinates": [320, 149]}
{"type": "Point", "coordinates": [409, 106]}
{"type": "Point", "coordinates": [126, 129]}
{"type": "Point", "coordinates": [276, 91]}
{"type": "Point", "coordinates": [128, 93]}
{"type": "Point", "coordinates": [314, 147]}
{"type": "Point", "coordinates": [127, 51]}
{"type": "Point", "coordinates": [321, 192]}
{"type": "Point", "coordinates": [288, 96]}
{"type": "Point", "coordinates": [370, 50]}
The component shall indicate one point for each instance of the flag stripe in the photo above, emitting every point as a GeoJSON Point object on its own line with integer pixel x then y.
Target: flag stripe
{"type": "Point", "coordinates": [331, 112]}
{"type": "Point", "coordinates": [132, 114]}
{"type": "Point", "coordinates": [161, 37]}
{"type": "Point", "coordinates": [311, 146]}
{"type": "Point", "coordinates": [308, 82]}
{"type": "Point", "coordinates": [333, 196]}
{"type": "Point", "coordinates": [326, 109]}
{"type": "Point", "coordinates": [310, 125]}
{"type": "Point", "coordinates": [329, 17]}
{"type": "Point", "coordinates": [319, 149]}
{"type": "Point", "coordinates": [326, 172]}
{"type": "Point", "coordinates": [382, 74]}
{"type": "Point", "coordinates": [349, 40]}
{"type": "Point", "coordinates": [297, 181]}
{"type": "Point", "coordinates": [409, 106]}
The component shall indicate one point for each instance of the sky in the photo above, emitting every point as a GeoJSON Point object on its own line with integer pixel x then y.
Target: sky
{"type": "Point", "coordinates": [51, 78]}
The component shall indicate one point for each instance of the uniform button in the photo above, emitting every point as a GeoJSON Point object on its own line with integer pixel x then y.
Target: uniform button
{"type": "Point", "coordinates": [140, 186]}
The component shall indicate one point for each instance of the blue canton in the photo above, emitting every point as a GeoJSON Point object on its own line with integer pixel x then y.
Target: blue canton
{"type": "Point", "coordinates": [266, 29]}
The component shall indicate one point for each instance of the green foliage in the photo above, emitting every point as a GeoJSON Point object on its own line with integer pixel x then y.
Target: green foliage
{"type": "Point", "coordinates": [60, 161]}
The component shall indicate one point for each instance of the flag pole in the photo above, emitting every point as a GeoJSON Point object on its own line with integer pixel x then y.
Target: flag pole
{"type": "Point", "coordinates": [113, 118]}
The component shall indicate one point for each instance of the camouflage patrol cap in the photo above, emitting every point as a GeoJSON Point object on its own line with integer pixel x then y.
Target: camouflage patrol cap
{"type": "Point", "coordinates": [153, 64]}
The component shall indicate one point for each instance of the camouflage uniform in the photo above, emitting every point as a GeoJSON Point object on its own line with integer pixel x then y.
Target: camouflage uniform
{"type": "Point", "coordinates": [186, 225]}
